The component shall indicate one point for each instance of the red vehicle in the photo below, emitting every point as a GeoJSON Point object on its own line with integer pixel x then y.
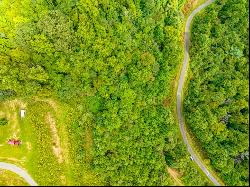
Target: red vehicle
{"type": "Point", "coordinates": [14, 142]}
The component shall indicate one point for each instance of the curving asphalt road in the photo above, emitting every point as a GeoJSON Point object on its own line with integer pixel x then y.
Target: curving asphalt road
{"type": "Point", "coordinates": [179, 93]}
{"type": "Point", "coordinates": [18, 171]}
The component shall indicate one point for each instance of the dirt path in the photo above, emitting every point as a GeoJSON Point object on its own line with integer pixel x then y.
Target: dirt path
{"type": "Point", "coordinates": [55, 138]}
{"type": "Point", "coordinates": [175, 175]}
{"type": "Point", "coordinates": [188, 6]}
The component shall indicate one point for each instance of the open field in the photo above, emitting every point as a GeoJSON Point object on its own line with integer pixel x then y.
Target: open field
{"type": "Point", "coordinates": [44, 149]}
{"type": "Point", "coordinates": [8, 178]}
{"type": "Point", "coordinates": [48, 150]}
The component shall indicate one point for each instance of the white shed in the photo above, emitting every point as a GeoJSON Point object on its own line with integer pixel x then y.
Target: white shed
{"type": "Point", "coordinates": [22, 113]}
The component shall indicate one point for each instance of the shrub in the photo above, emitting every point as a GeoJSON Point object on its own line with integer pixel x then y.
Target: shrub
{"type": "Point", "coordinates": [3, 121]}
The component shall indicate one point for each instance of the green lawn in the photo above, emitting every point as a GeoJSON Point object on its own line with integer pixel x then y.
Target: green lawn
{"type": "Point", "coordinates": [44, 150]}
{"type": "Point", "coordinates": [8, 178]}
{"type": "Point", "coordinates": [11, 130]}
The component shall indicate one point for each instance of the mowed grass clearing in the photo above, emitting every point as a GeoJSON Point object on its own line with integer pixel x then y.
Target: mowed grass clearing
{"type": "Point", "coordinates": [43, 132]}
{"type": "Point", "coordinates": [8, 178]}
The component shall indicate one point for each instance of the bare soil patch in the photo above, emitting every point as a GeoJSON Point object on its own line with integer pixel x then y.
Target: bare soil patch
{"type": "Point", "coordinates": [175, 175]}
{"type": "Point", "coordinates": [188, 6]}
{"type": "Point", "coordinates": [55, 138]}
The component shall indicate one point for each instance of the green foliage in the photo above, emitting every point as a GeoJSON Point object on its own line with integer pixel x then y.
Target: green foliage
{"type": "Point", "coordinates": [3, 121]}
{"type": "Point", "coordinates": [114, 63]}
{"type": "Point", "coordinates": [6, 94]}
{"type": "Point", "coordinates": [216, 105]}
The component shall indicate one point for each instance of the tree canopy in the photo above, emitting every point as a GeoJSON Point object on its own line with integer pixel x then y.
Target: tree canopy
{"type": "Point", "coordinates": [216, 103]}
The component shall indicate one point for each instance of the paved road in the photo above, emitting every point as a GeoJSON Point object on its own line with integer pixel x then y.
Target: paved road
{"type": "Point", "coordinates": [179, 93]}
{"type": "Point", "coordinates": [18, 171]}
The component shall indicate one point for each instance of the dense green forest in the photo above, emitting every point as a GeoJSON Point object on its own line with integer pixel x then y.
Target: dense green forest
{"type": "Point", "coordinates": [216, 103]}
{"type": "Point", "coordinates": [115, 63]}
